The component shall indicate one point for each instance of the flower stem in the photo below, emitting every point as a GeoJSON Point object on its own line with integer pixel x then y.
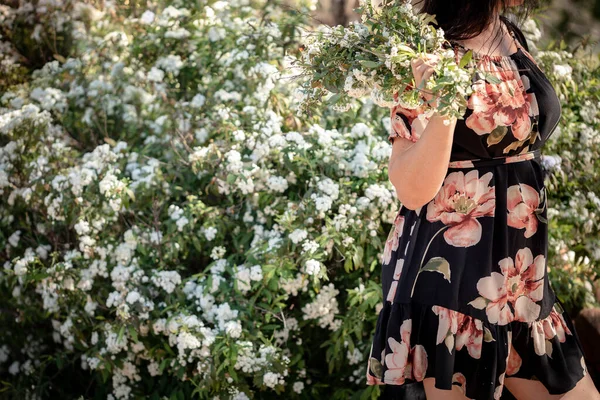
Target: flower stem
{"type": "Point", "coordinates": [423, 259]}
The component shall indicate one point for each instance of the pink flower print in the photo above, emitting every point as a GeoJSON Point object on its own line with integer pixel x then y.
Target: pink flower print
{"type": "Point", "coordinates": [458, 330]}
{"type": "Point", "coordinates": [460, 201]}
{"type": "Point", "coordinates": [413, 127]}
{"type": "Point", "coordinates": [469, 334]}
{"type": "Point", "coordinates": [555, 323]}
{"type": "Point", "coordinates": [500, 387]}
{"type": "Point", "coordinates": [398, 270]}
{"type": "Point", "coordinates": [404, 362]}
{"type": "Point", "coordinates": [522, 201]}
{"type": "Point", "coordinates": [518, 157]}
{"type": "Point", "coordinates": [544, 330]}
{"type": "Point", "coordinates": [492, 291]}
{"type": "Point", "coordinates": [393, 240]}
{"type": "Point", "coordinates": [520, 284]}
{"type": "Point", "coordinates": [419, 359]}
{"type": "Point", "coordinates": [506, 103]}
{"type": "Point", "coordinates": [514, 361]}
{"type": "Point", "coordinates": [461, 164]}
{"type": "Point", "coordinates": [460, 382]}
{"type": "Point", "coordinates": [372, 380]}
{"type": "Point", "coordinates": [392, 291]}
{"type": "Point", "coordinates": [447, 326]}
{"type": "Point", "coordinates": [524, 283]}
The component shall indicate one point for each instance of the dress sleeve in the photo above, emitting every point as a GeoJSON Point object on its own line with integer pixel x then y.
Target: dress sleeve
{"type": "Point", "coordinates": [405, 122]}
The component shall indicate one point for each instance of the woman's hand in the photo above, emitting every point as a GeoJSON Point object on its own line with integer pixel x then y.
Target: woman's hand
{"type": "Point", "coordinates": [422, 68]}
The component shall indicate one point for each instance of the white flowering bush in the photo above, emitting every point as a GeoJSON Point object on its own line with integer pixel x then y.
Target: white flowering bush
{"type": "Point", "coordinates": [35, 32]}
{"type": "Point", "coordinates": [172, 229]}
{"type": "Point", "coordinates": [574, 174]}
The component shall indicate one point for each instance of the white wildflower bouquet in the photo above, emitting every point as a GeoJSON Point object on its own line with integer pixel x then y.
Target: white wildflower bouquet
{"type": "Point", "coordinates": [373, 58]}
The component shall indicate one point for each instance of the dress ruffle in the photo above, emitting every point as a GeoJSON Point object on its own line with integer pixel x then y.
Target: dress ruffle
{"type": "Point", "coordinates": [417, 341]}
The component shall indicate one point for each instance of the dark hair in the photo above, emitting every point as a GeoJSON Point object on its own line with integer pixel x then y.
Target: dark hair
{"type": "Point", "coordinates": [464, 19]}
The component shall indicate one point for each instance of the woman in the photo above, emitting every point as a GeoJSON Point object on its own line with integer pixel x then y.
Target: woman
{"type": "Point", "coordinates": [468, 306]}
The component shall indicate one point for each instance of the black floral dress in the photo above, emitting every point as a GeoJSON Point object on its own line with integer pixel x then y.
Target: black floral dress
{"type": "Point", "coordinates": [467, 299]}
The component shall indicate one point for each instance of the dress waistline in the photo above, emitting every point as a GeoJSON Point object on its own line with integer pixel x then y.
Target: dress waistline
{"type": "Point", "coordinates": [485, 162]}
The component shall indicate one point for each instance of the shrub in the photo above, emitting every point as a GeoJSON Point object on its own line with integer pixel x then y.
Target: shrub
{"type": "Point", "coordinates": [172, 229]}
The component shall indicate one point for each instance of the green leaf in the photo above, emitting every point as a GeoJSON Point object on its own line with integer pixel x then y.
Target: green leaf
{"type": "Point", "coordinates": [438, 264]}
{"type": "Point", "coordinates": [334, 99]}
{"type": "Point", "coordinates": [468, 56]}
{"type": "Point", "coordinates": [406, 49]}
{"type": "Point", "coordinates": [513, 146]}
{"type": "Point", "coordinates": [348, 265]}
{"type": "Point", "coordinates": [487, 336]}
{"type": "Point", "coordinates": [133, 333]}
{"type": "Point", "coordinates": [376, 367]}
{"type": "Point", "coordinates": [130, 194]}
{"type": "Point", "coordinates": [541, 218]}
{"type": "Point", "coordinates": [497, 135]}
{"type": "Point", "coordinates": [121, 332]}
{"type": "Point", "coordinates": [162, 365]}
{"type": "Point", "coordinates": [357, 258]}
{"type": "Point", "coordinates": [480, 303]}
{"type": "Point", "coordinates": [370, 64]}
{"type": "Point", "coordinates": [492, 79]}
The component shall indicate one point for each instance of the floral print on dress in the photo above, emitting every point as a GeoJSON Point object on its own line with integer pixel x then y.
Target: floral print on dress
{"type": "Point", "coordinates": [523, 203]}
{"type": "Point", "coordinates": [513, 365]}
{"type": "Point", "coordinates": [405, 362]}
{"type": "Point", "coordinates": [462, 199]}
{"type": "Point", "coordinates": [461, 164]}
{"type": "Point", "coordinates": [543, 331]}
{"type": "Point", "coordinates": [459, 381]}
{"type": "Point", "coordinates": [375, 367]}
{"type": "Point", "coordinates": [518, 158]}
{"type": "Point", "coordinates": [519, 285]}
{"type": "Point", "coordinates": [392, 292]}
{"type": "Point", "coordinates": [391, 244]}
{"type": "Point", "coordinates": [502, 103]}
{"type": "Point", "coordinates": [500, 387]}
{"type": "Point", "coordinates": [457, 330]}
{"type": "Point", "coordinates": [408, 123]}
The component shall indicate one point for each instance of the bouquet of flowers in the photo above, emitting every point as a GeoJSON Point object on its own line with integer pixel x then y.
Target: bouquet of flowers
{"type": "Point", "coordinates": [373, 58]}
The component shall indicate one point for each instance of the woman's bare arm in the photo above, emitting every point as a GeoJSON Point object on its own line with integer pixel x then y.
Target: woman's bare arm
{"type": "Point", "coordinates": [417, 170]}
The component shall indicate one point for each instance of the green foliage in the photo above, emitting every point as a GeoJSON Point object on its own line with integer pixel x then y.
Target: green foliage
{"type": "Point", "coordinates": [172, 229]}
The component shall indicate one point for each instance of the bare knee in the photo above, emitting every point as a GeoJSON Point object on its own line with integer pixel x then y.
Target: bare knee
{"type": "Point", "coordinates": [585, 389]}
{"type": "Point", "coordinates": [524, 389]}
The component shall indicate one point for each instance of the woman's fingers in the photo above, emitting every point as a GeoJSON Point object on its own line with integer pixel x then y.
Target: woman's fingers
{"type": "Point", "coordinates": [419, 62]}
{"type": "Point", "coordinates": [423, 68]}
{"type": "Point", "coordinates": [423, 72]}
{"type": "Point", "coordinates": [427, 74]}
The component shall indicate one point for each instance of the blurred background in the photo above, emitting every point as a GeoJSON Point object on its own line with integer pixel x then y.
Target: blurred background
{"type": "Point", "coordinates": [568, 20]}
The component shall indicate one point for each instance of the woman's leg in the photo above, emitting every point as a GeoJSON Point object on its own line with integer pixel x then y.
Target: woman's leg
{"type": "Point", "coordinates": [434, 393]}
{"type": "Point", "coordinates": [524, 389]}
